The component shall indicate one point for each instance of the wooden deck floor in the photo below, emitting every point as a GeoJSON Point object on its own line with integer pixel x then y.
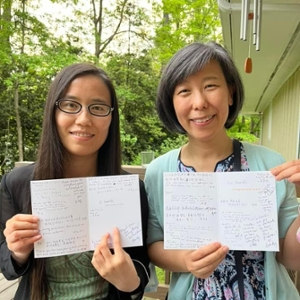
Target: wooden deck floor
{"type": "Point", "coordinates": [160, 294]}
{"type": "Point", "coordinates": [7, 288]}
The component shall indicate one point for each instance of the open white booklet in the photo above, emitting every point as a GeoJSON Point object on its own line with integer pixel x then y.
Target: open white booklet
{"type": "Point", "coordinates": [237, 209]}
{"type": "Point", "coordinates": [75, 213]}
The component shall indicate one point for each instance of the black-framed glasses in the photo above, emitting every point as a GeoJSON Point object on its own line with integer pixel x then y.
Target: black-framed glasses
{"type": "Point", "coordinates": [74, 107]}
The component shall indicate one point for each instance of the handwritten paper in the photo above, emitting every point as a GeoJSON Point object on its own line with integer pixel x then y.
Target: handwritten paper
{"type": "Point", "coordinates": [238, 209]}
{"type": "Point", "coordinates": [75, 213]}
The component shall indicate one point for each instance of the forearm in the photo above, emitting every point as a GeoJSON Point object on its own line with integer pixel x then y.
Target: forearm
{"type": "Point", "coordinates": [8, 266]}
{"type": "Point", "coordinates": [170, 260]}
{"type": "Point", "coordinates": [289, 254]}
{"type": "Point", "coordinates": [20, 260]}
{"type": "Point", "coordinates": [137, 294]}
{"type": "Point", "coordinates": [143, 276]}
{"type": "Point", "coordinates": [141, 262]}
{"type": "Point", "coordinates": [138, 280]}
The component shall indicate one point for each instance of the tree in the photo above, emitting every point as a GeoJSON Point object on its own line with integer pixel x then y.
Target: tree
{"type": "Point", "coordinates": [136, 83]}
{"type": "Point", "coordinates": [246, 128]}
{"type": "Point", "coordinates": [25, 78]}
{"type": "Point", "coordinates": [184, 22]}
{"type": "Point", "coordinates": [31, 53]}
{"type": "Point", "coordinates": [105, 24]}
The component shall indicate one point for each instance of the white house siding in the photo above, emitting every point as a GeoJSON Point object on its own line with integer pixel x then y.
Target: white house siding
{"type": "Point", "coordinates": [281, 119]}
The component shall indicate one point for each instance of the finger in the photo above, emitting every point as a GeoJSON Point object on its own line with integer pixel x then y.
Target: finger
{"type": "Point", "coordinates": [19, 245]}
{"type": "Point", "coordinates": [276, 170]}
{"type": "Point", "coordinates": [208, 264]}
{"type": "Point", "coordinates": [98, 261]}
{"type": "Point", "coordinates": [289, 173]}
{"type": "Point", "coordinates": [295, 179]}
{"type": "Point", "coordinates": [13, 224]}
{"type": "Point", "coordinates": [212, 261]}
{"type": "Point", "coordinates": [215, 258]}
{"type": "Point", "coordinates": [204, 251]}
{"type": "Point", "coordinates": [26, 218]}
{"type": "Point", "coordinates": [290, 164]}
{"type": "Point", "coordinates": [117, 241]}
{"type": "Point", "coordinates": [103, 248]}
{"type": "Point", "coordinates": [21, 234]}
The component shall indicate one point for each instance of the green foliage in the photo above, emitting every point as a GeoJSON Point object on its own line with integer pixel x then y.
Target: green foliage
{"type": "Point", "coordinates": [31, 53]}
{"type": "Point", "coordinates": [160, 273]}
{"type": "Point", "coordinates": [171, 143]}
{"type": "Point", "coordinates": [31, 76]}
{"type": "Point", "coordinates": [184, 22]}
{"type": "Point", "coordinates": [136, 84]}
{"type": "Point", "coordinates": [245, 129]}
{"type": "Point", "coordinates": [27, 66]}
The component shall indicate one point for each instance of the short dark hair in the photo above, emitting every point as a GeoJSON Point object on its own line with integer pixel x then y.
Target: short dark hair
{"type": "Point", "coordinates": [49, 163]}
{"type": "Point", "coordinates": [187, 61]}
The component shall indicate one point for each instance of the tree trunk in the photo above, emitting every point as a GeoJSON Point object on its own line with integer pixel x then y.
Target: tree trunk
{"type": "Point", "coordinates": [5, 18]}
{"type": "Point", "coordinates": [98, 19]}
{"type": "Point", "coordinates": [242, 124]}
{"type": "Point", "coordinates": [19, 125]}
{"type": "Point", "coordinates": [23, 26]}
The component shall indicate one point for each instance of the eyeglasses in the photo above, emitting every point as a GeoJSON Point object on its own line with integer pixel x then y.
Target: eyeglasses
{"type": "Point", "coordinates": [73, 107]}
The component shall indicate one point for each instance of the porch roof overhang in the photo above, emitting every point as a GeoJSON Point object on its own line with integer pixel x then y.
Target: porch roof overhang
{"type": "Point", "coordinates": [279, 48]}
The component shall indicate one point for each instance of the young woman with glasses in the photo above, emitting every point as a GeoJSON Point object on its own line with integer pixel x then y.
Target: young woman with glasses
{"type": "Point", "coordinates": [80, 138]}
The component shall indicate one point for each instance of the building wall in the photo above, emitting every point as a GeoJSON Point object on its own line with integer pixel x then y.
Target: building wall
{"type": "Point", "coordinates": [281, 119]}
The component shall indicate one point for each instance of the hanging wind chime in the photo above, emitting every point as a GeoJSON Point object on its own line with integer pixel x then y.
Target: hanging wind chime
{"type": "Point", "coordinates": [248, 61]}
{"type": "Point", "coordinates": [255, 17]}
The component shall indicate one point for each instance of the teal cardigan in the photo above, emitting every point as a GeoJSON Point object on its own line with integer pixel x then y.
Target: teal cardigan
{"type": "Point", "coordinates": [277, 281]}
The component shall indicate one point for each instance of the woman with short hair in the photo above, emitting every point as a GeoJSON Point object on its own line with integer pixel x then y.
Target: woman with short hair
{"type": "Point", "coordinates": [200, 95]}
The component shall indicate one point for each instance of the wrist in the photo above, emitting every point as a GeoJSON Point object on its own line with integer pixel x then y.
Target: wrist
{"type": "Point", "coordinates": [131, 287]}
{"type": "Point", "coordinates": [137, 284]}
{"type": "Point", "coordinates": [20, 261]}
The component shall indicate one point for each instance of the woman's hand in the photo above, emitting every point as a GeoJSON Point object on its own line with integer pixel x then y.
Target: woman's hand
{"type": "Point", "coordinates": [203, 261]}
{"type": "Point", "coordinates": [116, 268]}
{"type": "Point", "coordinates": [21, 232]}
{"type": "Point", "coordinates": [289, 170]}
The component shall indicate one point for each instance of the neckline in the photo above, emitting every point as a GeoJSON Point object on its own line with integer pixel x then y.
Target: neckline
{"type": "Point", "coordinates": [215, 168]}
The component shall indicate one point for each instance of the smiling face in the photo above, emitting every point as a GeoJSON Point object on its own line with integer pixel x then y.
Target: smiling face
{"type": "Point", "coordinates": [201, 103]}
{"type": "Point", "coordinates": [82, 134]}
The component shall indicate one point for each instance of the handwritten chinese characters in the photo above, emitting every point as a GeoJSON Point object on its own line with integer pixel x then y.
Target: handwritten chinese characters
{"type": "Point", "coordinates": [75, 213]}
{"type": "Point", "coordinates": [237, 209]}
